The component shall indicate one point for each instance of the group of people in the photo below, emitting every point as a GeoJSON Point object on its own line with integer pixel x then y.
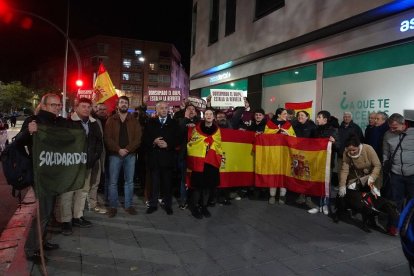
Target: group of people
{"type": "Point", "coordinates": [171, 144]}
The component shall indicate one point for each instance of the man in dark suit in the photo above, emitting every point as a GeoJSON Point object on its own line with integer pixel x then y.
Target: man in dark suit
{"type": "Point", "coordinates": [161, 138]}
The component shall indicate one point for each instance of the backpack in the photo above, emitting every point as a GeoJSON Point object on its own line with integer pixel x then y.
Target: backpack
{"type": "Point", "coordinates": [406, 228]}
{"type": "Point", "coordinates": [17, 168]}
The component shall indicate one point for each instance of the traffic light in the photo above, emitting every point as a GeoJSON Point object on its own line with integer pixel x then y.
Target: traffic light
{"type": "Point", "coordinates": [79, 83]}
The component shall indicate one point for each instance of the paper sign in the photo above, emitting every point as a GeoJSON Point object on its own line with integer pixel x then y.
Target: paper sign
{"type": "Point", "coordinates": [226, 97]}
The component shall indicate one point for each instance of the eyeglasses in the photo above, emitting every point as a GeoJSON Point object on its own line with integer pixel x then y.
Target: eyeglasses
{"type": "Point", "coordinates": [55, 105]}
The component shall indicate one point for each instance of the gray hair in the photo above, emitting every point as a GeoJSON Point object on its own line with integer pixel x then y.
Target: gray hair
{"type": "Point", "coordinates": [348, 113]}
{"type": "Point", "coordinates": [45, 97]}
{"type": "Point", "coordinates": [383, 114]}
{"type": "Point", "coordinates": [396, 117]}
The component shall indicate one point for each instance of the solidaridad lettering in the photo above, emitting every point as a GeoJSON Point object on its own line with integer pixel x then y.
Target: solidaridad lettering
{"type": "Point", "coordinates": [64, 159]}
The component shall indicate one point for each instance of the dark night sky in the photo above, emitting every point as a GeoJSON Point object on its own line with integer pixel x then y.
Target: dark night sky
{"type": "Point", "coordinates": [20, 48]}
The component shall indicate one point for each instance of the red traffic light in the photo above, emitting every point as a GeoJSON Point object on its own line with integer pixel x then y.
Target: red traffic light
{"type": "Point", "coordinates": [79, 83]}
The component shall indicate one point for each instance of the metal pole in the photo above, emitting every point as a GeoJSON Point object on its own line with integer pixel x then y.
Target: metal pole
{"type": "Point", "coordinates": [68, 40]}
{"type": "Point", "coordinates": [65, 66]}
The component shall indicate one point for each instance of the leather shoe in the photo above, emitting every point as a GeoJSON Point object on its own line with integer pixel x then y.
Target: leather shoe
{"type": "Point", "coordinates": [151, 209]}
{"type": "Point", "coordinates": [50, 246]}
{"type": "Point", "coordinates": [168, 210]}
{"type": "Point", "coordinates": [205, 212]}
{"type": "Point", "coordinates": [196, 213]}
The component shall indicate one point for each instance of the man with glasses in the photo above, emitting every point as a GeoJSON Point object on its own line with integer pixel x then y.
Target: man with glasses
{"type": "Point", "coordinates": [50, 108]}
{"type": "Point", "coordinates": [122, 138]}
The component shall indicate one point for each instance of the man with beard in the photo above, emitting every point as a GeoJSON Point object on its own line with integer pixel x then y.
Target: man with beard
{"type": "Point", "coordinates": [122, 138]}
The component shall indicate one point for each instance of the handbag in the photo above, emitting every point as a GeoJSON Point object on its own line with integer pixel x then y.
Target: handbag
{"type": "Point", "coordinates": [387, 164]}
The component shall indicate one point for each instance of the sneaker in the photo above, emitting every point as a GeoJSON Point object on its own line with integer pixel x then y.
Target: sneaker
{"type": "Point", "coordinates": [81, 222]}
{"type": "Point", "coordinates": [309, 203]}
{"type": "Point", "coordinates": [325, 210]}
{"type": "Point", "coordinates": [183, 206]}
{"type": "Point", "coordinates": [301, 199]}
{"type": "Point", "coordinates": [112, 212]}
{"type": "Point", "coordinates": [100, 210]}
{"type": "Point", "coordinates": [67, 228]}
{"type": "Point", "coordinates": [233, 195]}
{"type": "Point", "coordinates": [272, 200]}
{"type": "Point", "coordinates": [314, 210]}
{"type": "Point", "coordinates": [131, 210]}
{"type": "Point", "coordinates": [282, 200]}
{"type": "Point", "coordinates": [392, 231]}
{"type": "Point", "coordinates": [225, 202]}
{"type": "Point", "coordinates": [237, 198]}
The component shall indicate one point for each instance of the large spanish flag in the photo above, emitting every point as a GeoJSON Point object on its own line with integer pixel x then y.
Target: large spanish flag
{"type": "Point", "coordinates": [301, 165]}
{"type": "Point", "coordinates": [237, 163]}
{"type": "Point", "coordinates": [305, 106]}
{"type": "Point", "coordinates": [104, 90]}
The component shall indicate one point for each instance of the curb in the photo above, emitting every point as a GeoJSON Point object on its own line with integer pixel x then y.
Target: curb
{"type": "Point", "coordinates": [13, 238]}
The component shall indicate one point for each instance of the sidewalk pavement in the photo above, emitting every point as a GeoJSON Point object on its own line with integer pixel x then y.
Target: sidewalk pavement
{"type": "Point", "coordinates": [246, 238]}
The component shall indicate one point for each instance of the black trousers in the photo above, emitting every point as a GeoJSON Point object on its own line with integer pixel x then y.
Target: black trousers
{"type": "Point", "coordinates": [161, 186]}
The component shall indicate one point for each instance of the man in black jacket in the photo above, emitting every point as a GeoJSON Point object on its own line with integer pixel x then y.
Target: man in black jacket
{"type": "Point", "coordinates": [50, 107]}
{"type": "Point", "coordinates": [71, 204]}
{"type": "Point", "coordinates": [161, 138]}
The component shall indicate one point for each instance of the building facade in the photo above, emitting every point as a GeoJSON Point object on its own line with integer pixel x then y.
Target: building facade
{"type": "Point", "coordinates": [341, 56]}
{"type": "Point", "coordinates": [134, 66]}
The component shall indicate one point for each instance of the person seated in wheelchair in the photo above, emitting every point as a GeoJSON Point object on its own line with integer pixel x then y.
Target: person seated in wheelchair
{"type": "Point", "coordinates": [358, 189]}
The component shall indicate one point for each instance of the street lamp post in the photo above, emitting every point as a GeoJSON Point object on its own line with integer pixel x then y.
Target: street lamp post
{"type": "Point", "coordinates": [68, 42]}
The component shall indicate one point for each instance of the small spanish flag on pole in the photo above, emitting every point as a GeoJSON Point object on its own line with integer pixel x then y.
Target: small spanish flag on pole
{"type": "Point", "coordinates": [104, 90]}
{"type": "Point", "coordinates": [305, 106]}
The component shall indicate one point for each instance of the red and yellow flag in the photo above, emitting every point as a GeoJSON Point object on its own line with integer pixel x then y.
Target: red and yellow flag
{"type": "Point", "coordinates": [305, 106]}
{"type": "Point", "coordinates": [272, 128]}
{"type": "Point", "coordinates": [301, 165]}
{"type": "Point", "coordinates": [237, 163]}
{"type": "Point", "coordinates": [202, 148]}
{"type": "Point", "coordinates": [104, 90]}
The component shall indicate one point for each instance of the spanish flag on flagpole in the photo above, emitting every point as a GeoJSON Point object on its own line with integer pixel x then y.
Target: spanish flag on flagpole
{"type": "Point", "coordinates": [301, 165]}
{"type": "Point", "coordinates": [104, 90]}
{"type": "Point", "coordinates": [305, 106]}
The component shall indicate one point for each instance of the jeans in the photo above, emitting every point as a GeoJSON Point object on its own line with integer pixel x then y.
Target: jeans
{"type": "Point", "coordinates": [106, 180]}
{"type": "Point", "coordinates": [402, 187]}
{"type": "Point", "coordinates": [115, 164]}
